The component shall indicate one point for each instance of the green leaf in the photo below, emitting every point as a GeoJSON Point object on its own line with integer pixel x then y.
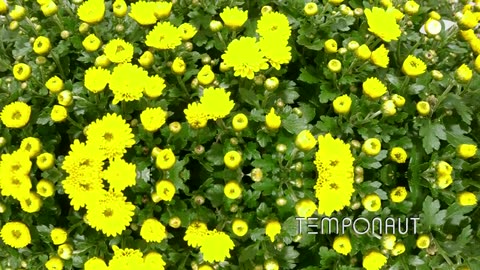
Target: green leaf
{"type": "Point", "coordinates": [454, 101]}
{"type": "Point", "coordinates": [293, 124]}
{"type": "Point", "coordinates": [432, 133]}
{"type": "Point", "coordinates": [248, 253]}
{"type": "Point", "coordinates": [328, 257]}
{"type": "Point", "coordinates": [306, 76]}
{"type": "Point", "coordinates": [432, 215]}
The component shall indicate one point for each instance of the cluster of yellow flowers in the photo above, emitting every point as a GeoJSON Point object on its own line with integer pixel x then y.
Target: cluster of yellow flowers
{"type": "Point", "coordinates": [214, 104]}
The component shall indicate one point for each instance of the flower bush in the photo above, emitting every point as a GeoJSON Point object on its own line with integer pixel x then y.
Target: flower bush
{"type": "Point", "coordinates": [203, 134]}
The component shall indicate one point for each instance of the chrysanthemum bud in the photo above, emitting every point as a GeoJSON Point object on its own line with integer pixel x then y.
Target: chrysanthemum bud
{"type": "Point", "coordinates": [334, 66]}
{"type": "Point", "coordinates": [199, 149]}
{"type": "Point", "coordinates": [175, 222]}
{"type": "Point", "coordinates": [13, 25]}
{"type": "Point", "coordinates": [256, 174]}
{"type": "Point", "coordinates": [358, 12]}
{"type": "Point", "coordinates": [65, 98]}
{"type": "Point", "coordinates": [281, 201]}
{"type": "Point", "coordinates": [437, 75]}
{"type": "Point", "coordinates": [3, 207]}
{"type": "Point", "coordinates": [188, 46]}
{"type": "Point", "coordinates": [175, 127]}
{"type": "Point", "coordinates": [353, 45]}
{"type": "Point", "coordinates": [155, 151]}
{"type": "Point", "coordinates": [266, 9]}
{"type": "Point", "coordinates": [281, 148]}
{"type": "Point", "coordinates": [310, 9]}
{"type": "Point", "coordinates": [215, 26]}
{"type": "Point", "coordinates": [271, 83]}
{"type": "Point", "coordinates": [65, 34]}
{"type": "Point", "coordinates": [83, 28]}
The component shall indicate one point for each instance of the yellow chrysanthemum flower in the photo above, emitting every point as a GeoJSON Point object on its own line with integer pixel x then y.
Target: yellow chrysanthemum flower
{"type": "Point", "coordinates": [196, 115]}
{"type": "Point", "coordinates": [110, 213]}
{"type": "Point", "coordinates": [16, 185]}
{"type": "Point", "coordinates": [22, 71]}
{"type": "Point", "coordinates": [205, 75]}
{"type": "Point", "coordinates": [96, 79]}
{"type": "Point", "coordinates": [413, 66]}
{"type": "Point", "coordinates": [305, 140]}
{"type": "Point", "coordinates": [143, 12]}
{"type": "Point", "coordinates": [342, 104]}
{"type": "Point", "coordinates": [32, 146]}
{"type": "Point", "coordinates": [305, 208]}
{"type": "Point", "coordinates": [272, 229]}
{"type": "Point", "coordinates": [239, 227]}
{"type": "Point", "coordinates": [276, 53]}
{"type": "Point", "coordinates": [374, 260]}
{"type": "Point", "coordinates": [164, 36]}
{"type": "Point", "coordinates": [118, 51]}
{"type": "Point", "coordinates": [467, 198]}
{"type": "Point", "coordinates": [16, 163]}
{"type": "Point", "coordinates": [128, 82]}
{"type": "Point", "coordinates": [84, 160]}
{"type": "Point", "coordinates": [245, 57]}
{"type": "Point", "coordinates": [272, 120]}
{"type": "Point", "coordinates": [216, 246]}
{"type": "Point", "coordinates": [120, 174]}
{"type": "Point", "coordinates": [59, 113]}
{"type": "Point", "coordinates": [232, 159]}
{"type": "Point", "coordinates": [31, 203]}
{"type": "Point", "coordinates": [153, 118]}
{"type": "Point", "coordinates": [16, 114]}
{"type": "Point", "coordinates": [126, 259]}
{"type": "Point", "coordinates": [463, 74]}
{"type": "Point", "coordinates": [58, 236]}
{"type": "Point", "coordinates": [165, 190]}
{"type": "Point", "coordinates": [379, 57]}
{"type": "Point", "coordinates": [372, 202]}
{"type": "Point", "coordinates": [423, 241]}
{"type": "Point", "coordinates": [373, 88]}
{"type": "Point", "coordinates": [111, 134]}
{"type": "Point", "coordinates": [54, 84]}
{"type": "Point", "coordinates": [15, 234]}
{"type": "Point", "coordinates": [54, 263]}
{"type": "Point", "coordinates": [153, 231]}
{"type": "Point", "coordinates": [382, 24]}
{"type": "Point", "coordinates": [232, 190]}
{"type": "Point", "coordinates": [91, 11]}
{"type": "Point", "coordinates": [466, 150]}
{"type": "Point", "coordinates": [45, 188]}
{"type": "Point", "coordinates": [216, 103]}
{"type": "Point", "coordinates": [82, 191]}
{"type": "Point", "coordinates": [398, 154]}
{"type": "Point", "coordinates": [234, 18]}
{"type": "Point", "coordinates": [153, 261]}
{"type": "Point", "coordinates": [187, 31]}
{"type": "Point", "coordinates": [274, 26]}
{"type": "Point", "coordinates": [95, 263]}
{"type": "Point", "coordinates": [195, 234]}
{"type": "Point", "coordinates": [165, 159]}
{"type": "Point", "coordinates": [372, 146]}
{"type": "Point", "coordinates": [91, 43]}
{"type": "Point", "coordinates": [41, 45]}
{"type": "Point", "coordinates": [162, 9]}
{"type": "Point", "coordinates": [398, 194]}
{"type": "Point", "coordinates": [154, 86]}
{"type": "Point", "coordinates": [342, 245]}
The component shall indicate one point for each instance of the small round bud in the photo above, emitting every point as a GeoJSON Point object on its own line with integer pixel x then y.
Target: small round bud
{"type": "Point", "coordinates": [199, 149]}
{"type": "Point", "coordinates": [3, 207]}
{"type": "Point", "coordinates": [353, 45]}
{"type": "Point", "coordinates": [206, 59]}
{"type": "Point", "coordinates": [355, 206]}
{"type": "Point", "coordinates": [119, 28]}
{"type": "Point", "coordinates": [299, 183]}
{"type": "Point", "coordinates": [83, 28]}
{"type": "Point", "coordinates": [342, 51]}
{"type": "Point", "coordinates": [65, 34]}
{"type": "Point", "coordinates": [3, 141]}
{"type": "Point", "coordinates": [175, 222]}
{"type": "Point", "coordinates": [194, 83]}
{"type": "Point", "coordinates": [259, 79]}
{"type": "Point", "coordinates": [266, 9]}
{"type": "Point", "coordinates": [271, 83]}
{"type": "Point", "coordinates": [281, 148]}
{"type": "Point", "coordinates": [355, 144]}
{"type": "Point", "coordinates": [280, 245]}
{"type": "Point", "coordinates": [23, 85]}
{"type": "Point", "coordinates": [298, 112]}
{"type": "Point", "coordinates": [175, 127]}
{"type": "Point", "coordinates": [281, 201]}
{"type": "Point", "coordinates": [188, 46]}
{"type": "Point", "coordinates": [359, 179]}
{"type": "Point", "coordinates": [256, 174]}
{"type": "Point", "coordinates": [215, 26]}
{"type": "Point", "coordinates": [155, 151]}
{"type": "Point", "coordinates": [358, 171]}
{"type": "Point", "coordinates": [298, 166]}
{"type": "Point", "coordinates": [233, 208]}
{"type": "Point", "coordinates": [199, 199]}
{"type": "Point", "coordinates": [358, 12]}
{"type": "Point", "coordinates": [280, 104]}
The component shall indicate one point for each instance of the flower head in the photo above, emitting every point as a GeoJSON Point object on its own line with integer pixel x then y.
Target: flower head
{"type": "Point", "coordinates": [305, 208]}
{"type": "Point", "coordinates": [187, 31]}
{"type": "Point", "coordinates": [398, 154]}
{"type": "Point", "coordinates": [128, 82]}
{"type": "Point", "coordinates": [91, 11]}
{"type": "Point", "coordinates": [205, 75]}
{"type": "Point", "coordinates": [119, 51]}
{"type": "Point", "coordinates": [272, 120]}
{"type": "Point", "coordinates": [59, 113]}
{"type": "Point", "coordinates": [374, 88]}
{"type": "Point", "coordinates": [216, 246]}
{"type": "Point", "coordinates": [54, 84]}
{"type": "Point", "coordinates": [58, 236]}
{"type": "Point", "coordinates": [15, 234]}
{"type": "Point", "coordinates": [466, 150]}
{"type": "Point", "coordinates": [143, 12]}
{"type": "Point", "coordinates": [274, 26]}
{"type": "Point", "coordinates": [342, 104]}
{"type": "Point", "coordinates": [96, 79]}
{"type": "Point", "coordinates": [398, 194]}
{"type": "Point", "coordinates": [95, 263]}
{"type": "Point", "coordinates": [16, 114]}
{"type": "Point", "coordinates": [276, 53]}
{"type": "Point", "coordinates": [154, 86]}
{"type": "Point", "coordinates": [153, 231]}
{"type": "Point", "coordinates": [413, 66]}
{"type": "Point", "coordinates": [196, 233]}
{"type": "Point", "coordinates": [153, 261]}
{"type": "Point", "coordinates": [464, 74]}
{"type": "Point", "coordinates": [120, 174]}
{"type": "Point", "coordinates": [164, 36]}
{"type": "Point", "coordinates": [342, 245]}
{"type": "Point", "coordinates": [379, 57]}
{"type": "Point", "coordinates": [467, 198]}
{"type": "Point", "coordinates": [272, 229]}
{"type": "Point", "coordinates": [153, 118]}
{"type": "Point", "coordinates": [216, 102]}
{"type": "Point", "coordinates": [372, 202]}
{"type": "Point", "coordinates": [165, 190]}
{"type": "Point", "coordinates": [232, 190]}
{"type": "Point", "coordinates": [126, 259]}
{"type": "Point", "coordinates": [232, 159]}
{"type": "Point", "coordinates": [233, 17]}
{"type": "Point", "coordinates": [245, 57]}
{"type": "Point", "coordinates": [382, 24]}
{"type": "Point", "coordinates": [239, 227]}
{"type": "Point", "coordinates": [196, 115]}
{"type": "Point", "coordinates": [374, 260]}
{"type": "Point", "coordinates": [305, 140]}
{"type": "Point", "coordinates": [22, 71]}
{"type": "Point", "coordinates": [165, 159]}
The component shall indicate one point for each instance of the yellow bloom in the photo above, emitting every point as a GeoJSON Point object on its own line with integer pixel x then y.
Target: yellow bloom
{"type": "Point", "coordinates": [216, 103]}
{"type": "Point", "coordinates": [216, 246]}
{"type": "Point", "coordinates": [196, 115]}
{"type": "Point", "coordinates": [334, 65]}
{"type": "Point", "coordinates": [443, 168]}
{"type": "Point", "coordinates": [234, 18]}
{"type": "Point", "coordinates": [95, 263]}
{"type": "Point", "coordinates": [55, 263]}
{"type": "Point", "coordinates": [49, 8]}
{"type": "Point", "coordinates": [111, 135]}
{"type": "Point", "coordinates": [423, 241]}
{"type": "Point", "coordinates": [45, 188]}
{"type": "Point", "coordinates": [468, 20]}
{"type": "Point", "coordinates": [164, 36]}
{"type": "Point", "coordinates": [16, 114]}
{"type": "Point", "coordinates": [398, 194]}
{"type": "Point", "coordinates": [398, 155]}
{"type": "Point", "coordinates": [143, 12]}
{"type": "Point", "coordinates": [22, 71]}
{"type": "Point", "coordinates": [363, 52]}
{"type": "Point", "coordinates": [232, 160]}
{"type": "Point", "coordinates": [466, 150]}
{"type": "Point", "coordinates": [110, 213]}
{"type": "Point", "coordinates": [398, 100]}
{"type": "Point", "coordinates": [411, 7]}
{"type": "Point", "coordinates": [120, 174]}
{"type": "Point", "coordinates": [466, 198]}
{"type": "Point", "coordinates": [205, 267]}
{"type": "Point", "coordinates": [126, 259]}
{"type": "Point", "coordinates": [187, 31]}
{"type": "Point", "coordinates": [128, 82]}
{"type": "Point", "coordinates": [272, 120]}
{"type": "Point", "coordinates": [342, 245]}
{"type": "Point", "coordinates": [374, 88]}
{"type": "Point", "coordinates": [245, 57]}
{"type": "Point", "coordinates": [305, 208]}
{"type": "Point", "coordinates": [271, 264]}
{"type": "Point", "coordinates": [342, 104]}
{"type": "Point", "coordinates": [118, 50]}
{"type": "Point", "coordinates": [388, 241]}
{"type": "Point", "coordinates": [206, 76]}
{"type": "Point", "coordinates": [59, 113]}
{"type": "Point", "coordinates": [310, 9]}
{"type": "Point", "coordinates": [153, 231]}
{"type": "Point", "coordinates": [41, 45]}
{"type": "Point", "coordinates": [274, 26]}
{"type": "Point", "coordinates": [165, 159]}
{"type": "Point", "coordinates": [398, 249]}
{"type": "Point", "coordinates": [165, 190]}
{"type": "Point", "coordinates": [239, 227]}
{"type": "Point", "coordinates": [463, 74]}
{"type": "Point", "coordinates": [239, 122]}
{"type": "Point", "coordinates": [65, 251]}
{"type": "Point", "coordinates": [388, 108]}
{"type": "Point", "coordinates": [15, 234]}
{"type": "Point", "coordinates": [54, 84]}
{"type": "Point", "coordinates": [423, 108]}
{"type": "Point", "coordinates": [444, 181]}
{"type": "Point", "coordinates": [276, 53]}
{"type": "Point", "coordinates": [374, 260]}
{"type": "Point", "coordinates": [195, 234]}
{"type": "Point", "coordinates": [379, 57]}
{"type": "Point", "coordinates": [468, 35]}
{"type": "Point", "coordinates": [382, 24]}
{"type": "Point", "coordinates": [153, 118]}
{"type": "Point", "coordinates": [372, 146]}
{"type": "Point", "coordinates": [272, 229]}
{"type": "Point", "coordinates": [232, 190]}
{"type": "Point", "coordinates": [305, 140]}
{"type": "Point", "coordinates": [330, 45]}
{"type": "Point", "coordinates": [372, 202]}
{"type": "Point", "coordinates": [96, 79]}
{"type": "Point", "coordinates": [413, 66]}
{"type": "Point", "coordinates": [178, 66]}
{"type": "Point", "coordinates": [91, 11]}
{"type": "Point", "coordinates": [119, 8]}
{"type": "Point", "coordinates": [31, 203]}
{"type": "Point", "coordinates": [91, 43]}
{"type": "Point", "coordinates": [32, 146]}
{"type": "Point", "coordinates": [58, 236]}
{"type": "Point", "coordinates": [153, 261]}
{"type": "Point", "coordinates": [3, 7]}
{"type": "Point", "coordinates": [162, 9]}
{"type": "Point", "coordinates": [17, 13]}
{"type": "Point", "coordinates": [146, 59]}
{"type": "Point", "coordinates": [154, 86]}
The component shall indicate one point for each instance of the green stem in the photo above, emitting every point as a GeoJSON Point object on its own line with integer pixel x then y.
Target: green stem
{"type": "Point", "coordinates": [182, 85]}
{"type": "Point", "coordinates": [221, 39]}
{"type": "Point", "coordinates": [75, 123]}
{"type": "Point", "coordinates": [60, 68]}
{"type": "Point", "coordinates": [442, 96]}
{"type": "Point", "coordinates": [292, 157]}
{"type": "Point", "coordinates": [401, 91]}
